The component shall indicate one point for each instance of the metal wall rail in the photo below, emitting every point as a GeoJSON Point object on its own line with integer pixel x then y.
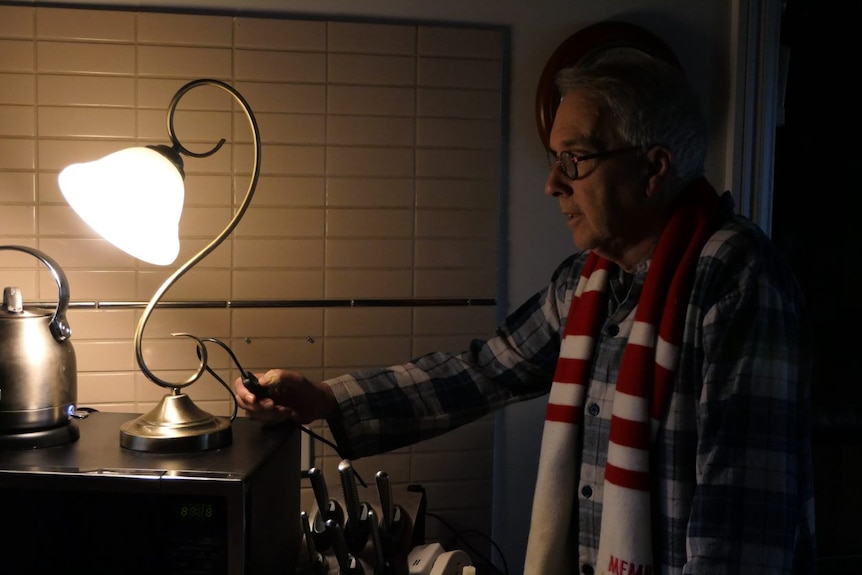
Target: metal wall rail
{"type": "Point", "coordinates": [304, 303]}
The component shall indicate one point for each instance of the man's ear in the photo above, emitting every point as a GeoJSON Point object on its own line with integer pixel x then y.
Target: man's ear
{"type": "Point", "coordinates": [659, 168]}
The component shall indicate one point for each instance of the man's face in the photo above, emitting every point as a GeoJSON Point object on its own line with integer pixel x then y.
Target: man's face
{"type": "Point", "coordinates": [606, 205]}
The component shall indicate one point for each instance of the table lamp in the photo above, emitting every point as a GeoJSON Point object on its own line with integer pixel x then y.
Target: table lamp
{"type": "Point", "coordinates": [134, 199]}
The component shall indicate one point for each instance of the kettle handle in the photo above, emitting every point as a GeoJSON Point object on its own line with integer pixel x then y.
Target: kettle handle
{"type": "Point", "coordinates": [59, 325]}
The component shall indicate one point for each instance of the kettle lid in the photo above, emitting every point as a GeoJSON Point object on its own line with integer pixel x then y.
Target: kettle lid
{"type": "Point", "coordinates": [13, 304]}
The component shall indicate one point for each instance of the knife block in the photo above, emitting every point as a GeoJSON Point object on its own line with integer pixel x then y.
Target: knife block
{"type": "Point", "coordinates": [412, 508]}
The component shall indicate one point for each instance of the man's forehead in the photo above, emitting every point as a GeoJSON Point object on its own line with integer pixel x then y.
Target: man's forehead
{"type": "Point", "coordinates": [582, 101]}
{"type": "Point", "coordinates": [578, 122]}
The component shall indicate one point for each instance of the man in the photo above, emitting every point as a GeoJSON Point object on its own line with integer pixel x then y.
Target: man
{"type": "Point", "coordinates": [672, 348]}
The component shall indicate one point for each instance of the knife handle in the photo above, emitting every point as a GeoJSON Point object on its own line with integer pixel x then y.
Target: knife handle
{"type": "Point", "coordinates": [327, 507]}
{"type": "Point", "coordinates": [318, 486]}
{"type": "Point", "coordinates": [348, 485]}
{"type": "Point", "coordinates": [339, 546]}
{"type": "Point", "coordinates": [315, 559]}
{"type": "Point", "coordinates": [356, 528]}
{"type": "Point", "coordinates": [384, 492]}
{"type": "Point", "coordinates": [347, 563]}
{"type": "Point", "coordinates": [381, 566]}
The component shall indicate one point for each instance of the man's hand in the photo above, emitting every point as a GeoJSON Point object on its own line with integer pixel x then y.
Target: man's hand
{"type": "Point", "coordinates": [289, 395]}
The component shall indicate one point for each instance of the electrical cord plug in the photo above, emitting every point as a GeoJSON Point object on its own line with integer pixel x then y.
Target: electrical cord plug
{"type": "Point", "coordinates": [253, 385]}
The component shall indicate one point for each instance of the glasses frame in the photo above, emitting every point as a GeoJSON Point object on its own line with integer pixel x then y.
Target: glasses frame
{"type": "Point", "coordinates": [568, 161]}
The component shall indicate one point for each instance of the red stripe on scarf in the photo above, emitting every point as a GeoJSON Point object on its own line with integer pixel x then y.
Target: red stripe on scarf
{"type": "Point", "coordinates": [662, 388]}
{"type": "Point", "coordinates": [699, 208]}
{"type": "Point", "coordinates": [584, 323]}
{"type": "Point", "coordinates": [630, 433]}
{"type": "Point", "coordinates": [563, 413]}
{"type": "Point", "coordinates": [572, 365]}
{"type": "Point", "coordinates": [627, 478]}
{"type": "Point", "coordinates": [635, 359]}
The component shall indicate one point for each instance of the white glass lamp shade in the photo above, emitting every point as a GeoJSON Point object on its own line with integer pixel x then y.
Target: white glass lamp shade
{"type": "Point", "coordinates": [133, 198]}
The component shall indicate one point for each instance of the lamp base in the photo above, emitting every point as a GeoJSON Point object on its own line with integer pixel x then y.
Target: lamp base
{"type": "Point", "coordinates": [176, 425]}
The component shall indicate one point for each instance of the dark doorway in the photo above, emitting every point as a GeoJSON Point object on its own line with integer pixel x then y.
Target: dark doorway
{"type": "Point", "coordinates": [815, 222]}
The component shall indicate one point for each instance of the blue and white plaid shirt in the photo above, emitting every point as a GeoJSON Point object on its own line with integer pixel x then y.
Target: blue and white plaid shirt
{"type": "Point", "coordinates": [733, 491]}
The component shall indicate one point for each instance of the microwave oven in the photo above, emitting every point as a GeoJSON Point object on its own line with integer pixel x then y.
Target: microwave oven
{"type": "Point", "coordinates": [92, 506]}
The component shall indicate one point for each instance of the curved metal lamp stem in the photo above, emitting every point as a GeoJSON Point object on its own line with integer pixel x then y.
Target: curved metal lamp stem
{"type": "Point", "coordinates": [176, 424]}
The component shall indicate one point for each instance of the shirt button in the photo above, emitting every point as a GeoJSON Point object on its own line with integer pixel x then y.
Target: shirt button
{"type": "Point", "coordinates": [587, 491]}
{"type": "Point", "coordinates": [613, 330]}
{"type": "Point", "coordinates": [593, 409]}
{"type": "Point", "coordinates": [587, 570]}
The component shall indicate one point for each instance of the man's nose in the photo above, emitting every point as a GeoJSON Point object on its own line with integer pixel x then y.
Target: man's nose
{"type": "Point", "coordinates": [557, 183]}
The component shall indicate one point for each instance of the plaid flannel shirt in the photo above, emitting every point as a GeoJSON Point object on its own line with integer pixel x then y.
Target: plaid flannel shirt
{"type": "Point", "coordinates": [733, 491]}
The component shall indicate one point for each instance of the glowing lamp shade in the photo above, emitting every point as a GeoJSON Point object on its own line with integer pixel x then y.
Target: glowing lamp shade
{"type": "Point", "coordinates": [133, 198]}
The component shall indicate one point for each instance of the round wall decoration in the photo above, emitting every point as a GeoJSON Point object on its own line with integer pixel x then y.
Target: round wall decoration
{"type": "Point", "coordinates": [581, 45]}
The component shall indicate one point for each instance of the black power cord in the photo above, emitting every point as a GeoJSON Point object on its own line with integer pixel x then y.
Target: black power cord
{"type": "Point", "coordinates": [224, 346]}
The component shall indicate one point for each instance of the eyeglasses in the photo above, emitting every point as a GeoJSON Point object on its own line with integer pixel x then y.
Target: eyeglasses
{"type": "Point", "coordinates": [569, 162]}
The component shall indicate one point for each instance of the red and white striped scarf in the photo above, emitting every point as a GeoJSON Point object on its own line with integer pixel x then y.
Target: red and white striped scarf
{"type": "Point", "coordinates": [643, 390]}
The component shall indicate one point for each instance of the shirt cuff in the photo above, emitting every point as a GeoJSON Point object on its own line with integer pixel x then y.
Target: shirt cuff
{"type": "Point", "coordinates": [339, 423]}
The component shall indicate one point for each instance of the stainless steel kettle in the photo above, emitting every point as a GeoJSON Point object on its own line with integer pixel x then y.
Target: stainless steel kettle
{"type": "Point", "coordinates": [38, 369]}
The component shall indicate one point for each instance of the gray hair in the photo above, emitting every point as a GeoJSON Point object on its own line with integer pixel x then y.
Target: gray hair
{"type": "Point", "coordinates": [650, 103]}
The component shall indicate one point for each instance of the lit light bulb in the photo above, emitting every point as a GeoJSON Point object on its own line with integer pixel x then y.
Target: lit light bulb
{"type": "Point", "coordinates": [133, 198]}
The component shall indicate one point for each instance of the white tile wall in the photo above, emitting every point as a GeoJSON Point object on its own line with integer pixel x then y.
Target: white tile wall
{"type": "Point", "coordinates": [380, 162]}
